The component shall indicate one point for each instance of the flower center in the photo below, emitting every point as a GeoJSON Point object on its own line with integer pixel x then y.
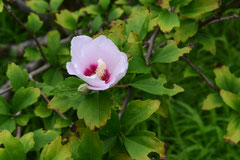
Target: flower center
{"type": "Point", "coordinates": [100, 70]}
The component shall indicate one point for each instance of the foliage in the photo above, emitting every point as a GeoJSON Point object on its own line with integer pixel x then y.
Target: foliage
{"type": "Point", "coordinates": [154, 112]}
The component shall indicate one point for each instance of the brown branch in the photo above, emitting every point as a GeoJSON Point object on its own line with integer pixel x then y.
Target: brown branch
{"type": "Point", "coordinates": [234, 16]}
{"type": "Point", "coordinates": [18, 133]}
{"type": "Point", "coordinates": [31, 75]}
{"type": "Point", "coordinates": [43, 95]}
{"type": "Point", "coordinates": [218, 13]}
{"type": "Point", "coordinates": [30, 32]}
{"type": "Point", "coordinates": [125, 102]}
{"type": "Point", "coordinates": [210, 84]}
{"type": "Point", "coordinates": [150, 45]}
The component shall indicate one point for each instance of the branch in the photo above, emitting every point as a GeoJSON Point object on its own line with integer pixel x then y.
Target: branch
{"type": "Point", "coordinates": [218, 13]}
{"type": "Point", "coordinates": [125, 102]}
{"type": "Point", "coordinates": [150, 43]}
{"type": "Point", "coordinates": [234, 16]}
{"type": "Point", "coordinates": [18, 134]}
{"type": "Point", "coordinates": [23, 25]}
{"type": "Point", "coordinates": [31, 75]}
{"type": "Point", "coordinates": [210, 84]}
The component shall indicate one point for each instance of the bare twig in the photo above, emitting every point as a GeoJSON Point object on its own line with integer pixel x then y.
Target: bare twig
{"type": "Point", "coordinates": [5, 90]}
{"type": "Point", "coordinates": [125, 102]}
{"type": "Point", "coordinates": [234, 16]}
{"type": "Point", "coordinates": [218, 13]}
{"type": "Point", "coordinates": [30, 32]}
{"type": "Point", "coordinates": [210, 84]}
{"type": "Point", "coordinates": [18, 134]}
{"type": "Point", "coordinates": [31, 75]}
{"type": "Point", "coordinates": [150, 45]}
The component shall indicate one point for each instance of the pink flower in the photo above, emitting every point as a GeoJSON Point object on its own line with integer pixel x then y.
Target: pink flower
{"type": "Point", "coordinates": [97, 61]}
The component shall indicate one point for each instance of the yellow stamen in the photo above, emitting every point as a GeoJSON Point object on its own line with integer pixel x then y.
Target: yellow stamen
{"type": "Point", "coordinates": [100, 71]}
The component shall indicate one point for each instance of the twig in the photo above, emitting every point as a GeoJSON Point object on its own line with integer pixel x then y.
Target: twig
{"type": "Point", "coordinates": [121, 86]}
{"type": "Point", "coordinates": [43, 95]}
{"type": "Point", "coordinates": [218, 13]}
{"type": "Point", "coordinates": [18, 134]}
{"type": "Point", "coordinates": [125, 102]}
{"type": "Point", "coordinates": [150, 47]}
{"type": "Point", "coordinates": [210, 84]}
{"type": "Point", "coordinates": [31, 75]}
{"type": "Point", "coordinates": [234, 16]}
{"type": "Point", "coordinates": [5, 90]}
{"type": "Point", "coordinates": [23, 25]}
{"type": "Point", "coordinates": [55, 110]}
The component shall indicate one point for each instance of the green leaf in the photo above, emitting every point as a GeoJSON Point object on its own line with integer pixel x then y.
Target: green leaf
{"type": "Point", "coordinates": [22, 119]}
{"type": "Point", "coordinates": [56, 151]}
{"type": "Point", "coordinates": [212, 101]}
{"type": "Point", "coordinates": [188, 28]}
{"type": "Point", "coordinates": [180, 3]}
{"type": "Point", "coordinates": [55, 4]}
{"type": "Point", "coordinates": [104, 4]}
{"type": "Point", "coordinates": [32, 54]}
{"type": "Point", "coordinates": [117, 34]}
{"type": "Point", "coordinates": [198, 7]}
{"type": "Point", "coordinates": [90, 147]}
{"type": "Point", "coordinates": [112, 127]}
{"type": "Point", "coordinates": [42, 111]}
{"type": "Point", "coordinates": [13, 148]}
{"type": "Point", "coordinates": [137, 64]}
{"type": "Point", "coordinates": [74, 143]}
{"type": "Point", "coordinates": [231, 99]}
{"type": "Point", "coordinates": [138, 22]}
{"type": "Point", "coordinates": [167, 21]}
{"type": "Point", "coordinates": [164, 4]}
{"type": "Point", "coordinates": [1, 6]}
{"type": "Point", "coordinates": [96, 23]}
{"type": "Point", "coordinates": [53, 43]}
{"type": "Point", "coordinates": [39, 6]}
{"type": "Point", "coordinates": [52, 77]}
{"type": "Point", "coordinates": [4, 106]}
{"type": "Point", "coordinates": [24, 97]}
{"type": "Point", "coordinates": [138, 111]}
{"type": "Point", "coordinates": [61, 123]}
{"type": "Point", "coordinates": [92, 10]}
{"type": "Point", "coordinates": [42, 138]}
{"type": "Point", "coordinates": [7, 122]}
{"type": "Point", "coordinates": [208, 42]}
{"type": "Point", "coordinates": [169, 53]}
{"type": "Point", "coordinates": [115, 13]}
{"type": "Point", "coordinates": [68, 87]}
{"type": "Point", "coordinates": [233, 130]}
{"type": "Point", "coordinates": [67, 19]}
{"type": "Point", "coordinates": [95, 109]}
{"type": "Point", "coordinates": [155, 86]}
{"type": "Point", "coordinates": [60, 103]}
{"type": "Point", "coordinates": [226, 80]}
{"type": "Point", "coordinates": [34, 23]}
{"type": "Point", "coordinates": [109, 143]}
{"type": "Point", "coordinates": [142, 143]}
{"type": "Point", "coordinates": [17, 76]}
{"type": "Point", "coordinates": [27, 141]}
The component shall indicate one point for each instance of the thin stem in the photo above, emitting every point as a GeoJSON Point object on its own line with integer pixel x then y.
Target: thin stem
{"type": "Point", "coordinates": [218, 13]}
{"type": "Point", "coordinates": [18, 134]}
{"type": "Point", "coordinates": [125, 102]}
{"type": "Point", "coordinates": [234, 16]}
{"type": "Point", "coordinates": [31, 75]}
{"type": "Point", "coordinates": [5, 90]}
{"type": "Point", "coordinates": [210, 84]}
{"type": "Point", "coordinates": [151, 43]}
{"type": "Point", "coordinates": [30, 32]}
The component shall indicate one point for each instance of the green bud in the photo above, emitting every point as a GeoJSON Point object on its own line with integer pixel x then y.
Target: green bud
{"type": "Point", "coordinates": [83, 89]}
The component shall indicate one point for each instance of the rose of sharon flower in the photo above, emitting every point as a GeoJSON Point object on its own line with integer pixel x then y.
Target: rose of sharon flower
{"type": "Point", "coordinates": [97, 61]}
